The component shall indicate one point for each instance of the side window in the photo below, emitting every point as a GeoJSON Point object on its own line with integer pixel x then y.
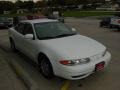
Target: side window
{"type": "Point", "coordinates": [28, 29]}
{"type": "Point", "coordinates": [20, 27]}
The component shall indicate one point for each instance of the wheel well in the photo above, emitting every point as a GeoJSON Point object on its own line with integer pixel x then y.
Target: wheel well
{"type": "Point", "coordinates": [41, 55]}
{"type": "Point", "coordinates": [50, 67]}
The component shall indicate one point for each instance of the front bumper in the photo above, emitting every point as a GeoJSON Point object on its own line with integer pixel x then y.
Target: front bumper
{"type": "Point", "coordinates": [81, 71]}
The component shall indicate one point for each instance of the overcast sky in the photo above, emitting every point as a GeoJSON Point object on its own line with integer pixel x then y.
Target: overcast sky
{"type": "Point", "coordinates": [16, 0]}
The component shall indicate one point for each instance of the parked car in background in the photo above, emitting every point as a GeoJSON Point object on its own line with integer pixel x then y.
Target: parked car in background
{"type": "Point", "coordinates": [115, 23]}
{"type": "Point", "coordinates": [58, 49]}
{"type": "Point", "coordinates": [17, 19]}
{"type": "Point", "coordinates": [111, 22]}
{"type": "Point", "coordinates": [105, 22]}
{"type": "Point", "coordinates": [56, 15]}
{"type": "Point", "coordinates": [5, 22]}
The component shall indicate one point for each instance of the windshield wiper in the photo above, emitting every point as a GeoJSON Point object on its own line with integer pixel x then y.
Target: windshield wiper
{"type": "Point", "coordinates": [58, 36]}
{"type": "Point", "coordinates": [44, 38]}
{"type": "Point", "coordinates": [64, 35]}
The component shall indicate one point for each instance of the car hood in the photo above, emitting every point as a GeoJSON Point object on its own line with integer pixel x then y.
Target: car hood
{"type": "Point", "coordinates": [73, 47]}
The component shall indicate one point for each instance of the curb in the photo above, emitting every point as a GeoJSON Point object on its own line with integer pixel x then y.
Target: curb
{"type": "Point", "coordinates": [66, 85]}
{"type": "Point", "coordinates": [31, 85]}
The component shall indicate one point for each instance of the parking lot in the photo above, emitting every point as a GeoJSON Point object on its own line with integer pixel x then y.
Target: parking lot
{"type": "Point", "coordinates": [108, 79]}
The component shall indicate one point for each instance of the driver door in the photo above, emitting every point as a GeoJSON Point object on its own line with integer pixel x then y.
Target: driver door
{"type": "Point", "coordinates": [29, 45]}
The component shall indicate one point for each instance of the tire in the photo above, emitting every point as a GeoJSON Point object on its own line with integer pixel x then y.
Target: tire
{"type": "Point", "coordinates": [101, 25]}
{"type": "Point", "coordinates": [110, 26]}
{"type": "Point", "coordinates": [12, 45]}
{"type": "Point", "coordinates": [45, 67]}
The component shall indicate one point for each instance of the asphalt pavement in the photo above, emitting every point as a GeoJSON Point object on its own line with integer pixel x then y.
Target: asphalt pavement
{"type": "Point", "coordinates": [8, 79]}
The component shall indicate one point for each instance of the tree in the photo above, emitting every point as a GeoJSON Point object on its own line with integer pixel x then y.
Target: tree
{"type": "Point", "coordinates": [6, 6]}
{"type": "Point", "coordinates": [40, 4]}
{"type": "Point", "coordinates": [28, 5]}
{"type": "Point", "coordinates": [19, 4]}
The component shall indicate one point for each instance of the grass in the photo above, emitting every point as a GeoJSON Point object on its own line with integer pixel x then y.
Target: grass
{"type": "Point", "coordinates": [87, 13]}
{"type": "Point", "coordinates": [71, 13]}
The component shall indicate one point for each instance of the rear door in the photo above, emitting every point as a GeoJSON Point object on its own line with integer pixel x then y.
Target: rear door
{"type": "Point", "coordinates": [18, 35]}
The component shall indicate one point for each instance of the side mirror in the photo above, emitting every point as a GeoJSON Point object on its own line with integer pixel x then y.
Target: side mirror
{"type": "Point", "coordinates": [73, 29]}
{"type": "Point", "coordinates": [29, 36]}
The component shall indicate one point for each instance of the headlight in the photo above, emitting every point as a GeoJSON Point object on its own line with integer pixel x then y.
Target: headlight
{"type": "Point", "coordinates": [75, 62]}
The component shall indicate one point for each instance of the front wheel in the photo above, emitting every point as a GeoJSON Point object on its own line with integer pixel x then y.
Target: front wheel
{"type": "Point", "coordinates": [45, 67]}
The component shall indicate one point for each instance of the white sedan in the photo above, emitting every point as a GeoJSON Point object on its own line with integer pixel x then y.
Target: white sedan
{"type": "Point", "coordinates": [58, 49]}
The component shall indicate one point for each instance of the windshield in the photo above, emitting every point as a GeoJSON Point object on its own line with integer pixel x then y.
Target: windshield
{"type": "Point", "coordinates": [49, 30]}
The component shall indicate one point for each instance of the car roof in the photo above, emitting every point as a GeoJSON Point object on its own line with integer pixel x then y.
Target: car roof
{"type": "Point", "coordinates": [39, 21]}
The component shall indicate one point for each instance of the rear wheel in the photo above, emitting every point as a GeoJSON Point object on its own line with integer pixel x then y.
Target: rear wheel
{"type": "Point", "coordinates": [45, 67]}
{"type": "Point", "coordinates": [12, 45]}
